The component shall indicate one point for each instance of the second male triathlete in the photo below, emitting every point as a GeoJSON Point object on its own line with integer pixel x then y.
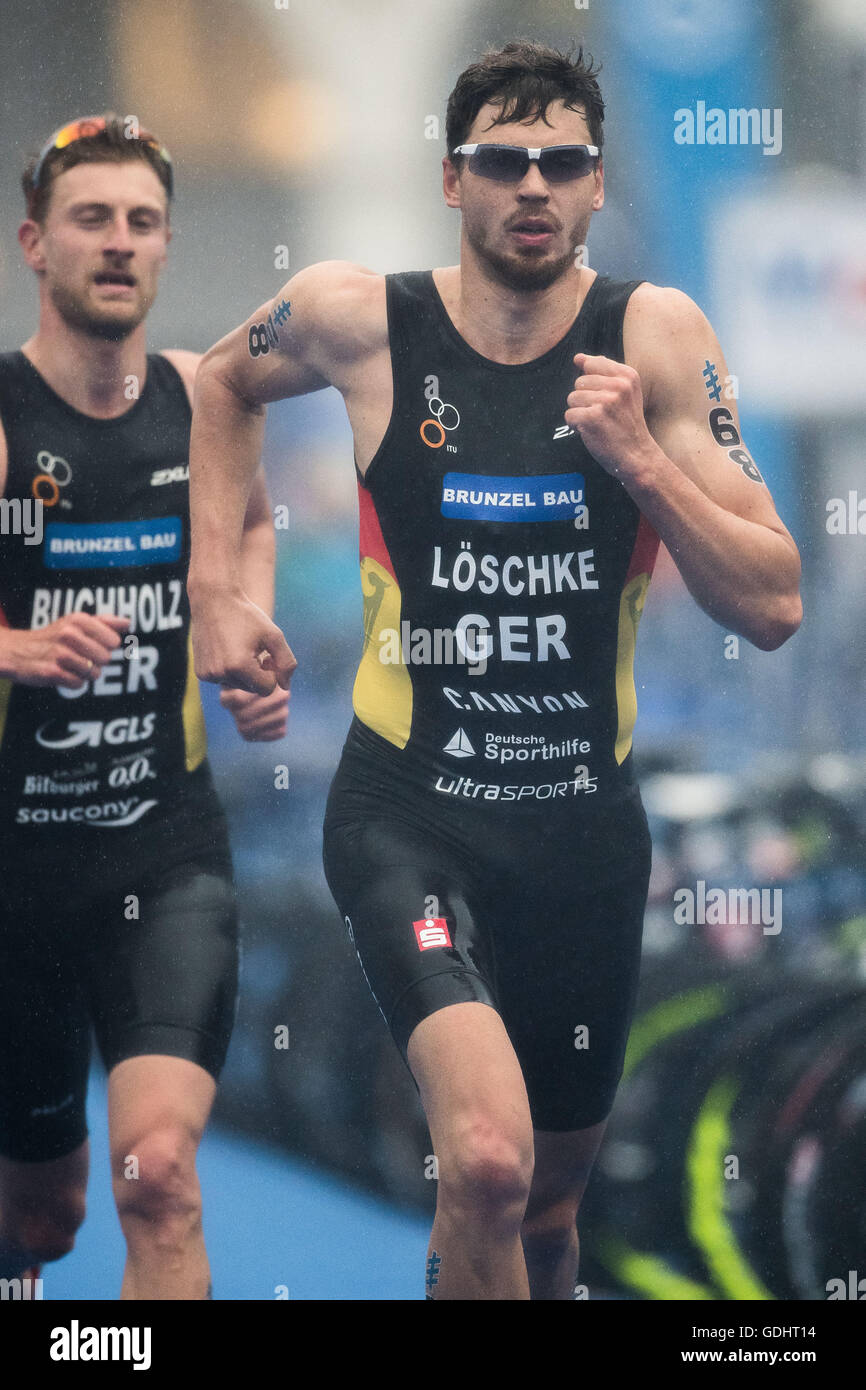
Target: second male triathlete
{"type": "Point", "coordinates": [116, 901]}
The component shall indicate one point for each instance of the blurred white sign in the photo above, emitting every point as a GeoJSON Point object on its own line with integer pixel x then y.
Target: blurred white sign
{"type": "Point", "coordinates": [789, 290]}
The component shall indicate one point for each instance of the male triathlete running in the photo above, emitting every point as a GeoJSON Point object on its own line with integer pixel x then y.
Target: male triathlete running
{"type": "Point", "coordinates": [525, 431]}
{"type": "Point", "coordinates": [116, 899]}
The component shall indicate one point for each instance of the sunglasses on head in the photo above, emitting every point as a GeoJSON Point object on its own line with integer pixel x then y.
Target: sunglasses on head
{"type": "Point", "coordinates": [510, 163]}
{"type": "Point", "coordinates": [88, 126]}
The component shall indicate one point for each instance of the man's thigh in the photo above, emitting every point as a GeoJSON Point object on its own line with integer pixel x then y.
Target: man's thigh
{"type": "Point", "coordinates": [403, 901]}
{"type": "Point", "coordinates": [469, 1078]}
{"type": "Point", "coordinates": [568, 949]}
{"type": "Point", "coordinates": [163, 981]}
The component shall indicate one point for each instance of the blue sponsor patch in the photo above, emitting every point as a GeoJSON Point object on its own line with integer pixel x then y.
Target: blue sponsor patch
{"type": "Point", "coordinates": [105, 544]}
{"type": "Point", "coordinates": [551, 497]}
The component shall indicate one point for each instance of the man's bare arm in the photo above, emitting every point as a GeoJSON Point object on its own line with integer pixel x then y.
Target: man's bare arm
{"type": "Point", "coordinates": [258, 548]}
{"type": "Point", "coordinates": [684, 464]}
{"type": "Point", "coordinates": [257, 542]}
{"type": "Point", "coordinates": [258, 718]}
{"type": "Point", "coordinates": [302, 341]}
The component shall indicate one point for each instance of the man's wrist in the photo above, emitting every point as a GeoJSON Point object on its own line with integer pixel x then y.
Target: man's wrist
{"type": "Point", "coordinates": [205, 586]}
{"type": "Point", "coordinates": [9, 662]}
{"type": "Point", "coordinates": [644, 474]}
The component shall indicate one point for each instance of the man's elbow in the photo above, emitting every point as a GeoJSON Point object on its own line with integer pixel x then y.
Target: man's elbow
{"type": "Point", "coordinates": [216, 383]}
{"type": "Point", "coordinates": [258, 534]}
{"type": "Point", "coordinates": [779, 625]}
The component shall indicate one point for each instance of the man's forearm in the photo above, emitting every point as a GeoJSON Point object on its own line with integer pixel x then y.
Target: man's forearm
{"type": "Point", "coordinates": [9, 657]}
{"type": "Point", "coordinates": [225, 447]}
{"type": "Point", "coordinates": [743, 574]}
{"type": "Point", "coordinates": [258, 554]}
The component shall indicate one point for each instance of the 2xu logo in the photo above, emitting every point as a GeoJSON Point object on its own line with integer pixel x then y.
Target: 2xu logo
{"type": "Point", "coordinates": [431, 932]}
{"type": "Point", "coordinates": [180, 474]}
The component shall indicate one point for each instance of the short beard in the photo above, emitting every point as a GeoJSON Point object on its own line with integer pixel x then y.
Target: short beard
{"type": "Point", "coordinates": [73, 313]}
{"type": "Point", "coordinates": [528, 275]}
{"type": "Point", "coordinates": [516, 273]}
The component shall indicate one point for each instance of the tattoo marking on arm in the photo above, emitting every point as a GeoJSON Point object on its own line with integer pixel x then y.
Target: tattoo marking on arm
{"type": "Point", "coordinates": [711, 381]}
{"type": "Point", "coordinates": [264, 336]}
{"type": "Point", "coordinates": [725, 432]}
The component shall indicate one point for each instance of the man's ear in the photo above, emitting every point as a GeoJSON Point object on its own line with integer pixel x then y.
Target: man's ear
{"type": "Point", "coordinates": [30, 241]}
{"type": "Point", "coordinates": [598, 200]}
{"type": "Point", "coordinates": [450, 183]}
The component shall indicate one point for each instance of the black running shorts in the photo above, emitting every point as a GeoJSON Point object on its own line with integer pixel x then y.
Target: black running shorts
{"type": "Point", "coordinates": [144, 953]}
{"type": "Point", "coordinates": [536, 915]}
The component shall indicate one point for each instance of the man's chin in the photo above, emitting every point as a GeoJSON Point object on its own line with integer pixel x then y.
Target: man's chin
{"type": "Point", "coordinates": [107, 324]}
{"type": "Point", "coordinates": [110, 330]}
{"type": "Point", "coordinates": [113, 322]}
{"type": "Point", "coordinates": [527, 272]}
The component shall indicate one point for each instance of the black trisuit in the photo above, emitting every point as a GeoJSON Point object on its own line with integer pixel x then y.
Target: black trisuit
{"type": "Point", "coordinates": [484, 836]}
{"type": "Point", "coordinates": [116, 898]}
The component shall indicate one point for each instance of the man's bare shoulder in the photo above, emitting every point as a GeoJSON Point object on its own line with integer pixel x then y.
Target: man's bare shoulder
{"type": "Point", "coordinates": [342, 305]}
{"type": "Point", "coordinates": [661, 311]}
{"type": "Point", "coordinates": [325, 323]}
{"type": "Point", "coordinates": [666, 338]}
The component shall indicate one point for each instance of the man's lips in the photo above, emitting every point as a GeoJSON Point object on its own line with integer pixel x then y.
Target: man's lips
{"type": "Point", "coordinates": [533, 231]}
{"type": "Point", "coordinates": [115, 278]}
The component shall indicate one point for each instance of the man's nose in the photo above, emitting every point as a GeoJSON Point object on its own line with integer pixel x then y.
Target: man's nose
{"type": "Point", "coordinates": [119, 240]}
{"type": "Point", "coordinates": [532, 185]}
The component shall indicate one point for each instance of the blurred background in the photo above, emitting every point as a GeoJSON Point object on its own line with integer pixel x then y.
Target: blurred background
{"type": "Point", "coordinates": [314, 129]}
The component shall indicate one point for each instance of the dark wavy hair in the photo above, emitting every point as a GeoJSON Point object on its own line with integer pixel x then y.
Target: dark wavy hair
{"type": "Point", "coordinates": [524, 78]}
{"type": "Point", "coordinates": [111, 145]}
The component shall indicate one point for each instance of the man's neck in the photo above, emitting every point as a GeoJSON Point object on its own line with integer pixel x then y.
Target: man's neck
{"type": "Point", "coordinates": [93, 375]}
{"type": "Point", "coordinates": [506, 325]}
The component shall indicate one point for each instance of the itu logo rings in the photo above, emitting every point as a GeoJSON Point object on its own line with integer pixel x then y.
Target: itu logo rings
{"type": "Point", "coordinates": [446, 417]}
{"type": "Point", "coordinates": [55, 474]}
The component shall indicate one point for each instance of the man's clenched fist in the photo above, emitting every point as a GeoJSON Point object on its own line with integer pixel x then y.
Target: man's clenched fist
{"type": "Point", "coordinates": [68, 652]}
{"type": "Point", "coordinates": [236, 645]}
{"type": "Point", "coordinates": [606, 409]}
{"type": "Point", "coordinates": [260, 718]}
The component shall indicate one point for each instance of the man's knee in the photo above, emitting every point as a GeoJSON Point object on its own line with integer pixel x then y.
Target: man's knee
{"type": "Point", "coordinates": [42, 1225]}
{"type": "Point", "coordinates": [155, 1180]}
{"type": "Point", "coordinates": [549, 1235]}
{"type": "Point", "coordinates": [486, 1169]}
